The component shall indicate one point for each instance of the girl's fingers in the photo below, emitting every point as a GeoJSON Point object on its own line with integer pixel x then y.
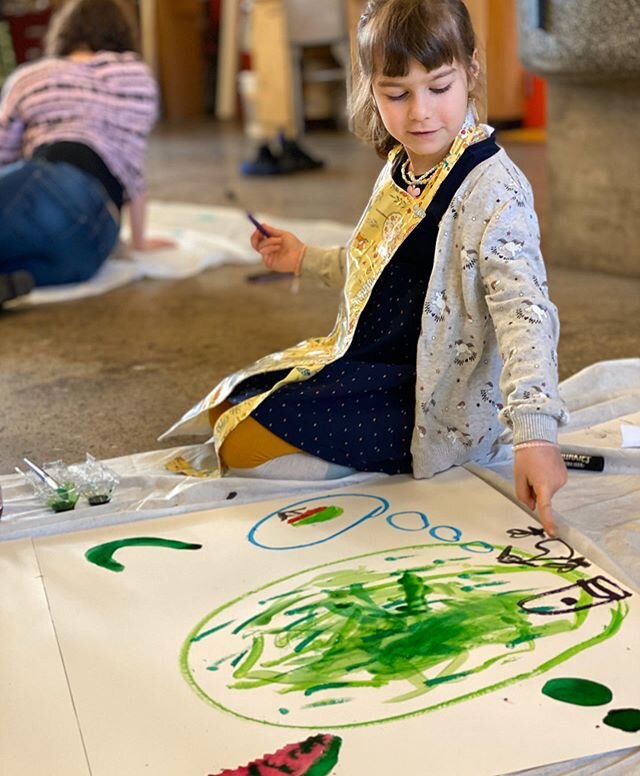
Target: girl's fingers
{"type": "Point", "coordinates": [272, 230]}
{"type": "Point", "coordinates": [270, 247]}
{"type": "Point", "coordinates": [259, 241]}
{"type": "Point", "coordinates": [270, 244]}
{"type": "Point", "coordinates": [524, 492]}
{"type": "Point", "coordinates": [270, 258]}
{"type": "Point", "coordinates": [545, 512]}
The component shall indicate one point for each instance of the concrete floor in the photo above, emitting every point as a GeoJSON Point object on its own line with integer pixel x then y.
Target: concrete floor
{"type": "Point", "coordinates": [109, 374]}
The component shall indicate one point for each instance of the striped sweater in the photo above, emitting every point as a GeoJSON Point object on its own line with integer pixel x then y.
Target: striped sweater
{"type": "Point", "coordinates": [108, 102]}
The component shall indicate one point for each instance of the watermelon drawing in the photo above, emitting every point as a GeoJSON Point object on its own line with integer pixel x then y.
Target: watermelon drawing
{"type": "Point", "coordinates": [316, 756]}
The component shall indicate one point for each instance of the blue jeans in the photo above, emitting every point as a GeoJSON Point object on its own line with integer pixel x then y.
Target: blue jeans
{"type": "Point", "coordinates": [55, 222]}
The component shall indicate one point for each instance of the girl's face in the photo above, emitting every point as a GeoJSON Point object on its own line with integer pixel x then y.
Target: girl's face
{"type": "Point", "coordinates": [424, 110]}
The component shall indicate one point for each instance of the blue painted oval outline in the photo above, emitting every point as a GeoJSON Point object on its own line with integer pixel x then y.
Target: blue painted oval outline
{"type": "Point", "coordinates": [488, 547]}
{"type": "Point", "coordinates": [434, 528]}
{"type": "Point", "coordinates": [409, 512]}
{"type": "Point", "coordinates": [382, 507]}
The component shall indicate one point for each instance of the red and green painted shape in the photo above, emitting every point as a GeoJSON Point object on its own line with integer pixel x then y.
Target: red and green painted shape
{"type": "Point", "coordinates": [316, 515]}
{"type": "Point", "coordinates": [316, 756]}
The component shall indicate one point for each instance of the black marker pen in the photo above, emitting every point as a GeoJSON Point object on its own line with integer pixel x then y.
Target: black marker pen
{"type": "Point", "coordinates": [592, 463]}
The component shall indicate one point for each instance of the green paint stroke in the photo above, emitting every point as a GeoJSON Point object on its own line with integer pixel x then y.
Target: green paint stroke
{"type": "Point", "coordinates": [624, 719]}
{"type": "Point", "coordinates": [327, 702]}
{"type": "Point", "coordinates": [102, 554]}
{"type": "Point", "coordinates": [581, 692]}
{"type": "Point", "coordinates": [212, 630]}
{"type": "Point", "coordinates": [318, 515]}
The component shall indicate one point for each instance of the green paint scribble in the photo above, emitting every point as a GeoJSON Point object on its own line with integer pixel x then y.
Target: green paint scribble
{"type": "Point", "coordinates": [102, 554]}
{"type": "Point", "coordinates": [624, 719]}
{"type": "Point", "coordinates": [416, 629]}
{"type": "Point", "coordinates": [581, 692]}
{"type": "Point", "coordinates": [350, 630]}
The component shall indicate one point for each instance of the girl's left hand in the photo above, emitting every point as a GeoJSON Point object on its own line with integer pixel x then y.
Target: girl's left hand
{"type": "Point", "coordinates": [539, 472]}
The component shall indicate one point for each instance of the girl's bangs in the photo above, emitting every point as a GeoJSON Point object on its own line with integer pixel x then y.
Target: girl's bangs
{"type": "Point", "coordinates": [390, 45]}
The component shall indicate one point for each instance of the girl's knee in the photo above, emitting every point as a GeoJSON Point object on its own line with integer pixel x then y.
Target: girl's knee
{"type": "Point", "coordinates": [236, 450]}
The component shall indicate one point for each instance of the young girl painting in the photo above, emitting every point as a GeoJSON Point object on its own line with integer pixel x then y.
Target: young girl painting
{"type": "Point", "coordinates": [73, 132]}
{"type": "Point", "coordinates": [445, 332]}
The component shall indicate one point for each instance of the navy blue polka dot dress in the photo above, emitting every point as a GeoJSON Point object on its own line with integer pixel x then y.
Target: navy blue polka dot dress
{"type": "Point", "coordinates": [359, 410]}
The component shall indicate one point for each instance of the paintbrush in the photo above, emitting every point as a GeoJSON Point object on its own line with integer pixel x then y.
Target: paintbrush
{"type": "Point", "coordinates": [42, 474]}
{"type": "Point", "coordinates": [235, 199]}
{"type": "Point", "coordinates": [295, 283]}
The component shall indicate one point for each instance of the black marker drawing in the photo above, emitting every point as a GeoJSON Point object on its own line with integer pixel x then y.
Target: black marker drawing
{"type": "Point", "coordinates": [553, 553]}
{"type": "Point", "coordinates": [566, 600]}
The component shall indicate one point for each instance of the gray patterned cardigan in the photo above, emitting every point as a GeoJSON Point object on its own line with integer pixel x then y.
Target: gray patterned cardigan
{"type": "Point", "coordinates": [487, 346]}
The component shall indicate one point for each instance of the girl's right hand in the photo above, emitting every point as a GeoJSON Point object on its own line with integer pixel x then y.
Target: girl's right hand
{"type": "Point", "coordinates": [281, 251]}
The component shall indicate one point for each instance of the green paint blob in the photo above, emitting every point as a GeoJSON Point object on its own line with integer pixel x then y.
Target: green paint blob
{"type": "Point", "coordinates": [581, 692]}
{"type": "Point", "coordinates": [414, 592]}
{"type": "Point", "coordinates": [102, 554]}
{"type": "Point", "coordinates": [624, 719]}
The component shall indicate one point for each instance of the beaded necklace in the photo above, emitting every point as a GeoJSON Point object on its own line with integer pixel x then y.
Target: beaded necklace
{"type": "Point", "coordinates": [414, 181]}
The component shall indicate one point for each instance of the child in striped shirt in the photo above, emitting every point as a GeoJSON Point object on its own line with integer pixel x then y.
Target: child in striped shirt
{"type": "Point", "coordinates": [73, 131]}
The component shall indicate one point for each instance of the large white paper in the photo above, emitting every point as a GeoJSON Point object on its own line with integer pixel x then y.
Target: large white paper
{"type": "Point", "coordinates": [39, 732]}
{"type": "Point", "coordinates": [419, 621]}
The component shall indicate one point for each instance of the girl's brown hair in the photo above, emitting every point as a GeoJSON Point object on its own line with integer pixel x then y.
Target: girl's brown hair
{"type": "Point", "coordinates": [96, 25]}
{"type": "Point", "coordinates": [392, 32]}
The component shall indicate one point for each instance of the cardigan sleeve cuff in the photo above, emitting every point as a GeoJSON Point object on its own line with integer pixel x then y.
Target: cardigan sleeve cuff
{"type": "Point", "coordinates": [327, 264]}
{"type": "Point", "coordinates": [527, 427]}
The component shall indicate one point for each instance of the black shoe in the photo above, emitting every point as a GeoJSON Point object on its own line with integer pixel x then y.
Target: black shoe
{"type": "Point", "coordinates": [265, 163]}
{"type": "Point", "coordinates": [14, 284]}
{"type": "Point", "coordinates": [295, 159]}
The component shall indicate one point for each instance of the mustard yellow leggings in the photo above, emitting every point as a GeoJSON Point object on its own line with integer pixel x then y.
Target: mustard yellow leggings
{"type": "Point", "coordinates": [250, 444]}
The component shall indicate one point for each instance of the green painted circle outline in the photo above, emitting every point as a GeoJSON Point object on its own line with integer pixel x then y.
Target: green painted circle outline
{"type": "Point", "coordinates": [618, 613]}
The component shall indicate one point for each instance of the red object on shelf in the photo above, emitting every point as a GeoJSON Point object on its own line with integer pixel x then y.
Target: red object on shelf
{"type": "Point", "coordinates": [535, 101]}
{"type": "Point", "coordinates": [27, 34]}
